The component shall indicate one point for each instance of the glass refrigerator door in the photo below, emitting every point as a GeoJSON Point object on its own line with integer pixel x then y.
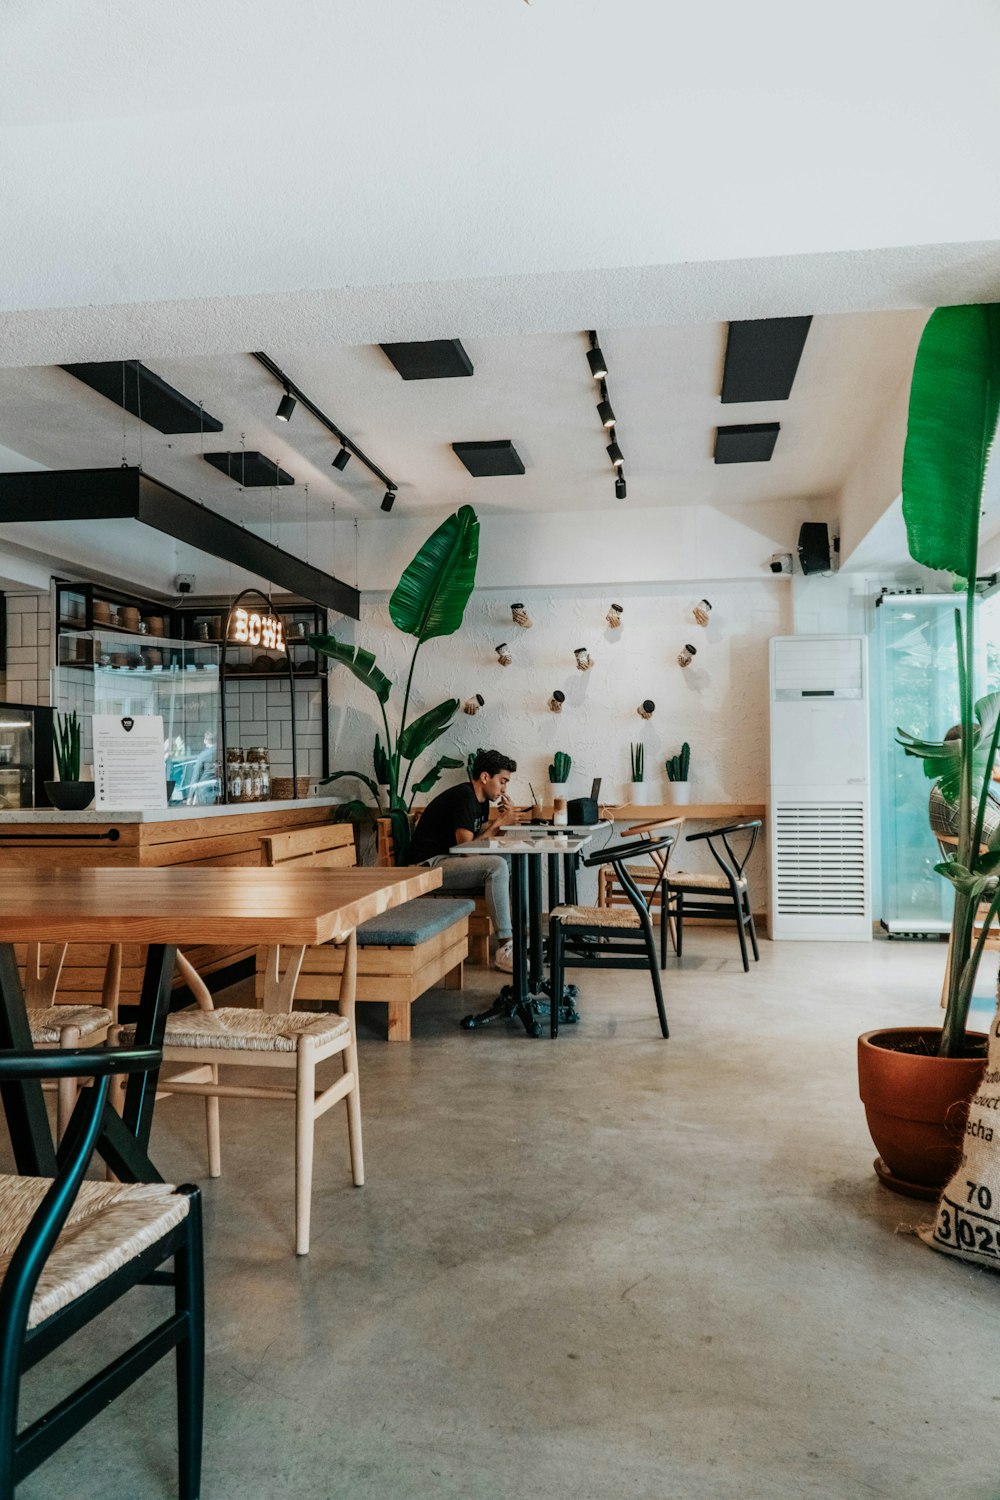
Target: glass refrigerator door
{"type": "Point", "coordinates": [17, 757]}
{"type": "Point", "coordinates": [917, 658]}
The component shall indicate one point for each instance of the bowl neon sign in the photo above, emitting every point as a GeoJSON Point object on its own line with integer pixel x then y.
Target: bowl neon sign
{"type": "Point", "coordinates": [254, 629]}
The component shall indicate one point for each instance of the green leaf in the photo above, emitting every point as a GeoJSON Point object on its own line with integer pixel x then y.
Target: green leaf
{"type": "Point", "coordinates": [430, 598]}
{"type": "Point", "coordinates": [954, 403]}
{"type": "Point", "coordinates": [430, 778]}
{"type": "Point", "coordinates": [424, 731]}
{"type": "Point", "coordinates": [352, 812]}
{"type": "Point", "coordinates": [358, 776]}
{"type": "Point", "coordinates": [962, 879]}
{"type": "Point", "coordinates": [357, 660]}
{"type": "Point", "coordinates": [383, 770]}
{"type": "Point", "coordinates": [942, 759]}
{"type": "Point", "coordinates": [401, 834]}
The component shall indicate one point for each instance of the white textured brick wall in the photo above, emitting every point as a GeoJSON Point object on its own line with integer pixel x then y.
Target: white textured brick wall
{"type": "Point", "coordinates": [29, 649]}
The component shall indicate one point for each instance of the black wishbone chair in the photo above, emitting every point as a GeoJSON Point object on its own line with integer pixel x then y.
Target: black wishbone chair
{"type": "Point", "coordinates": [690, 893]}
{"type": "Point", "coordinates": [608, 937]}
{"type": "Point", "coordinates": [69, 1249]}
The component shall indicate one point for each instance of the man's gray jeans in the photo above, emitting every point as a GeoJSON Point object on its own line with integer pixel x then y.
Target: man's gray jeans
{"type": "Point", "coordinates": [489, 873]}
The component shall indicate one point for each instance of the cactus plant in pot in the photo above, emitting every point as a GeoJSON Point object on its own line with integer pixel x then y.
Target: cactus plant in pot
{"type": "Point", "coordinates": [69, 793]}
{"type": "Point", "coordinates": [677, 768]}
{"type": "Point", "coordinates": [916, 1082]}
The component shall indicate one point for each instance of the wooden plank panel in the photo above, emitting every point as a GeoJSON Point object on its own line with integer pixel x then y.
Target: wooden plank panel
{"type": "Point", "coordinates": [209, 827]}
{"type": "Point", "coordinates": [279, 847]}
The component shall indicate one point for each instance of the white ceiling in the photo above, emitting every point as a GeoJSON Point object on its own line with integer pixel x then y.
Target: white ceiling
{"type": "Point", "coordinates": [182, 184]}
{"type": "Point", "coordinates": [664, 384]}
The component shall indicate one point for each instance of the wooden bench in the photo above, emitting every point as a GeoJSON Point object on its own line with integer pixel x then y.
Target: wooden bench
{"type": "Point", "coordinates": [401, 954]}
{"type": "Point", "coordinates": [480, 926]}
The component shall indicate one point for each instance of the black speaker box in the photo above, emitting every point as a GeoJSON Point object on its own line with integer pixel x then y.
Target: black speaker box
{"type": "Point", "coordinates": [582, 810]}
{"type": "Point", "coordinates": [814, 547]}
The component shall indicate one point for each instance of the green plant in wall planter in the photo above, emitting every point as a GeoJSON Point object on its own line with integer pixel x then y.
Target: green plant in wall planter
{"type": "Point", "coordinates": [641, 791]}
{"type": "Point", "coordinates": [560, 768]}
{"type": "Point", "coordinates": [428, 601]}
{"type": "Point", "coordinates": [915, 1080]}
{"type": "Point", "coordinates": [69, 793]}
{"type": "Point", "coordinates": [677, 768]}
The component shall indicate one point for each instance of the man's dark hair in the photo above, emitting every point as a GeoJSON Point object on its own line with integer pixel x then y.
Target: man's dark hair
{"type": "Point", "coordinates": [492, 763]}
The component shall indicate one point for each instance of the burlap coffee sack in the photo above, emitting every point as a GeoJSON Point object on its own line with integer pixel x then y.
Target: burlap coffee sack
{"type": "Point", "coordinates": [968, 1216]}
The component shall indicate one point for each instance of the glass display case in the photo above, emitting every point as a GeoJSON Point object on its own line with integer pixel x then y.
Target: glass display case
{"type": "Point", "coordinates": [25, 755]}
{"type": "Point", "coordinates": [132, 673]}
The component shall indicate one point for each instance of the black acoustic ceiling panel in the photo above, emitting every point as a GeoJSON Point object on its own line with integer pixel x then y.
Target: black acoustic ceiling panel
{"type": "Point", "coordinates": [762, 356]}
{"type": "Point", "coordinates": [252, 470]}
{"type": "Point", "coordinates": [433, 359]}
{"type": "Point", "coordinates": [751, 443]}
{"type": "Point", "coordinates": [129, 384]}
{"type": "Point", "coordinates": [485, 460]}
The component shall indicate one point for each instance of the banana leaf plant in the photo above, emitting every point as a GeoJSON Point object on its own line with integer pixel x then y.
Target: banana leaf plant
{"type": "Point", "coordinates": [428, 601]}
{"type": "Point", "coordinates": [954, 405]}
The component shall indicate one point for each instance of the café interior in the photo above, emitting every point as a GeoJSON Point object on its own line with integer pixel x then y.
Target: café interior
{"type": "Point", "coordinates": [371, 397]}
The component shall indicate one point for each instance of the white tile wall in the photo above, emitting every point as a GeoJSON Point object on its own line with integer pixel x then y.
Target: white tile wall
{"type": "Point", "coordinates": [261, 714]}
{"type": "Point", "coordinates": [29, 649]}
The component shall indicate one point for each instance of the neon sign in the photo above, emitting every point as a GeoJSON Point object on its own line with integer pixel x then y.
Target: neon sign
{"type": "Point", "coordinates": [253, 629]}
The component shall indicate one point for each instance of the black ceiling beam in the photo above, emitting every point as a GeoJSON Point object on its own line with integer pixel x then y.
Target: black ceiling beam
{"type": "Point", "coordinates": [747, 443]}
{"type": "Point", "coordinates": [129, 494]}
{"type": "Point", "coordinates": [145, 394]}
{"type": "Point", "coordinates": [321, 416]}
{"type": "Point", "coordinates": [762, 357]}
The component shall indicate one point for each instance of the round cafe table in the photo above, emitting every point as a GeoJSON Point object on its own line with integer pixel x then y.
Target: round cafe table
{"type": "Point", "coordinates": [524, 997]}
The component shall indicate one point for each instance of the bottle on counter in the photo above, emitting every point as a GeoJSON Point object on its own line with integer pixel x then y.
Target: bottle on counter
{"type": "Point", "coordinates": [261, 772]}
{"type": "Point", "coordinates": [234, 773]}
{"type": "Point", "coordinates": [246, 774]}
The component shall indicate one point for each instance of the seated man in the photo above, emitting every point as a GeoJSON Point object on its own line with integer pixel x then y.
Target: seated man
{"type": "Point", "coordinates": [463, 815]}
{"type": "Point", "coordinates": [944, 814]}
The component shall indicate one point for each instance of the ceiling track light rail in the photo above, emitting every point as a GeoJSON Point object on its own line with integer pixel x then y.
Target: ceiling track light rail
{"type": "Point", "coordinates": [598, 366]}
{"type": "Point", "coordinates": [294, 393]}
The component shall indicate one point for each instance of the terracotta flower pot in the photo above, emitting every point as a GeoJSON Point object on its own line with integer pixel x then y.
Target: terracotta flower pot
{"type": "Point", "coordinates": [916, 1106]}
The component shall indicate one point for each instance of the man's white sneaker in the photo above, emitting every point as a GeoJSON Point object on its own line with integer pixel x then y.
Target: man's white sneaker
{"type": "Point", "coordinates": [503, 958]}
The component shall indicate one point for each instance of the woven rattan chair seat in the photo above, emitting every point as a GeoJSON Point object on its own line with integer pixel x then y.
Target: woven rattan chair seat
{"type": "Point", "coordinates": [109, 1224]}
{"type": "Point", "coordinates": [699, 881]}
{"type": "Point", "coordinates": [48, 1021]}
{"type": "Point", "coordinates": [596, 916]}
{"type": "Point", "coordinates": [240, 1030]}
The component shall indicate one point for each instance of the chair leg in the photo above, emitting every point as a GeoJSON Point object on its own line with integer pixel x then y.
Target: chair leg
{"type": "Point", "coordinates": [67, 1089]}
{"type": "Point", "coordinates": [555, 973]}
{"type": "Point", "coordinates": [741, 931]}
{"type": "Point", "coordinates": [305, 1134]}
{"type": "Point", "coordinates": [679, 924]}
{"type": "Point", "coordinates": [647, 932]}
{"type": "Point", "coordinates": [190, 1356]}
{"type": "Point", "coordinates": [753, 930]}
{"type": "Point", "coordinates": [664, 924]}
{"type": "Point", "coordinates": [212, 1130]}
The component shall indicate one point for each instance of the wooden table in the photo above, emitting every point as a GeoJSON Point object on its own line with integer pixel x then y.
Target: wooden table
{"type": "Point", "coordinates": [164, 908]}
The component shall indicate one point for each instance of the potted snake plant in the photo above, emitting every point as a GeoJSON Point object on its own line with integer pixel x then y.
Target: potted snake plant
{"type": "Point", "coordinates": [916, 1081]}
{"type": "Point", "coordinates": [69, 793]}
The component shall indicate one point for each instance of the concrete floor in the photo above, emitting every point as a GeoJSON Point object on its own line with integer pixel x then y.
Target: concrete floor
{"type": "Point", "coordinates": [609, 1266]}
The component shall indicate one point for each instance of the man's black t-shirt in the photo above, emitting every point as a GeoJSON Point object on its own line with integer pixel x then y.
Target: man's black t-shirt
{"type": "Point", "coordinates": [458, 807]}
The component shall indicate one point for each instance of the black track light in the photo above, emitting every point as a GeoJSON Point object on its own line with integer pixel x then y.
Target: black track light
{"type": "Point", "coordinates": [615, 454]}
{"type": "Point", "coordinates": [595, 359]}
{"type": "Point", "coordinates": [285, 407]}
{"type": "Point", "coordinates": [388, 500]}
{"type": "Point", "coordinates": [604, 410]}
{"type": "Point", "coordinates": [342, 460]}
{"type": "Point", "coordinates": [620, 485]}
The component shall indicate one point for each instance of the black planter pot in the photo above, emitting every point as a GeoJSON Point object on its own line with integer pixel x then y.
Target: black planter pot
{"type": "Point", "coordinates": [70, 796]}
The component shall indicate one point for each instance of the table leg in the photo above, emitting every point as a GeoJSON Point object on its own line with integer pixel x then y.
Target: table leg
{"type": "Point", "coordinates": [124, 1142]}
{"type": "Point", "coordinates": [24, 1107]}
{"type": "Point", "coordinates": [536, 966]}
{"type": "Point", "coordinates": [514, 999]}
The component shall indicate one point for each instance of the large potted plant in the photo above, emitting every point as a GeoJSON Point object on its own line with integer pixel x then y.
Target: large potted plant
{"type": "Point", "coordinates": [429, 600]}
{"type": "Point", "coordinates": [916, 1082]}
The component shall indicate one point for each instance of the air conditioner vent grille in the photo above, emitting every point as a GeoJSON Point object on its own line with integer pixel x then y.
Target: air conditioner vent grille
{"type": "Point", "coordinates": [819, 858]}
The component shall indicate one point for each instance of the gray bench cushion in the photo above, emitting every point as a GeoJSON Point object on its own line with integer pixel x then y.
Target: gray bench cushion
{"type": "Point", "coordinates": [413, 922]}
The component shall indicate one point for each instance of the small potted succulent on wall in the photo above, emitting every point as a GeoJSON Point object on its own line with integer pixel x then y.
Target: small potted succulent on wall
{"type": "Point", "coordinates": [641, 791]}
{"type": "Point", "coordinates": [69, 793]}
{"type": "Point", "coordinates": [677, 768]}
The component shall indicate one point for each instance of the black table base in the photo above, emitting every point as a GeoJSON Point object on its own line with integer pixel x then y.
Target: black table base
{"type": "Point", "coordinates": [530, 1012]}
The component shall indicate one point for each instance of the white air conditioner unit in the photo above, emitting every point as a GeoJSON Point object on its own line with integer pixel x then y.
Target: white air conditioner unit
{"type": "Point", "coordinates": [819, 815]}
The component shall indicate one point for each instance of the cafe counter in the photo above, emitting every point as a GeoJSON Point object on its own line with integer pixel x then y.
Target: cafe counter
{"type": "Point", "coordinates": [204, 836]}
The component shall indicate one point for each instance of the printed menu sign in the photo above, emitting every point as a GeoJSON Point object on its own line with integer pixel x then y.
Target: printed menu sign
{"type": "Point", "coordinates": [128, 762]}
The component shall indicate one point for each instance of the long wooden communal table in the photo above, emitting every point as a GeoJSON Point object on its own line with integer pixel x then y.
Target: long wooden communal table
{"type": "Point", "coordinates": [162, 910]}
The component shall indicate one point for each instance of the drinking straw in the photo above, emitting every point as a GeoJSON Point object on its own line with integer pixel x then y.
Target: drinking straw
{"type": "Point", "coordinates": [531, 789]}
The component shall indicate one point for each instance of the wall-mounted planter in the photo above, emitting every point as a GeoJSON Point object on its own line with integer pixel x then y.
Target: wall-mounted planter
{"type": "Point", "coordinates": [679, 793]}
{"type": "Point", "coordinates": [642, 793]}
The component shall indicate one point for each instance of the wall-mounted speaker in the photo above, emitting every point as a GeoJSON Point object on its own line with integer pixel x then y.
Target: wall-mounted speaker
{"type": "Point", "coordinates": [814, 547]}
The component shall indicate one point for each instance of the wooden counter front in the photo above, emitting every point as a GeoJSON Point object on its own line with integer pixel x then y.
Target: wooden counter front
{"type": "Point", "coordinates": [202, 837]}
